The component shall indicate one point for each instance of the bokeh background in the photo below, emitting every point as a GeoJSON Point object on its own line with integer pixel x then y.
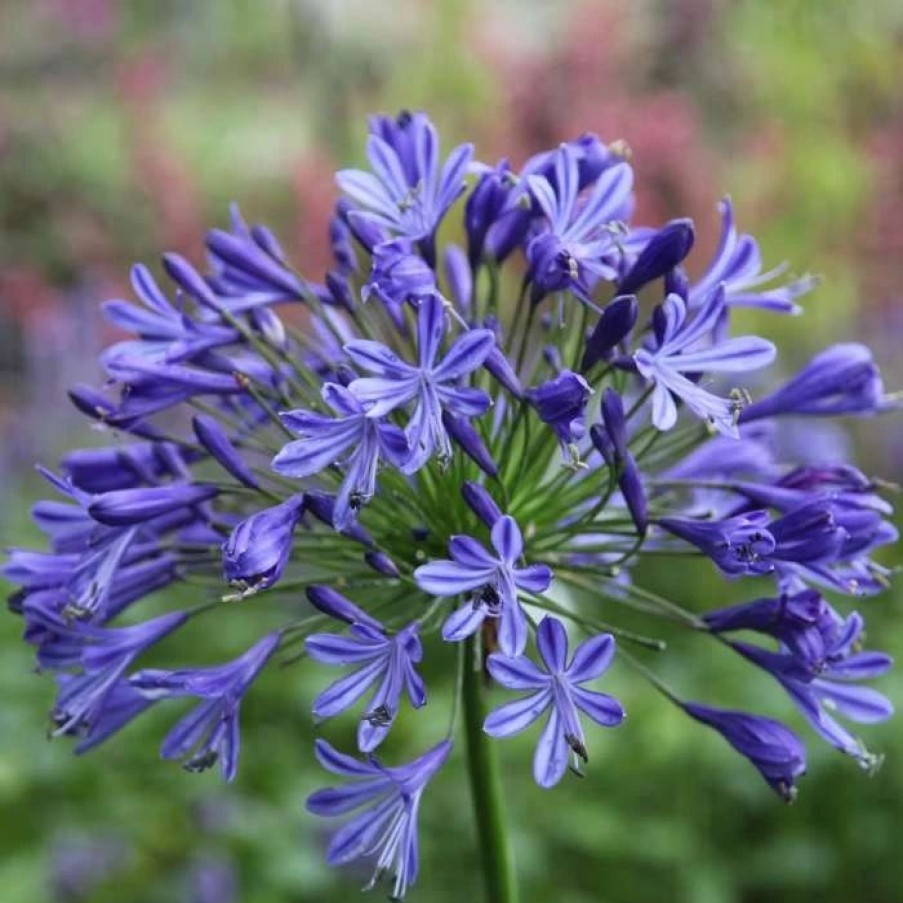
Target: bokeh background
{"type": "Point", "coordinates": [126, 127]}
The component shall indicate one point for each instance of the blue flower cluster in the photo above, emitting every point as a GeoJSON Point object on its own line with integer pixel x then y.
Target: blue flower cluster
{"type": "Point", "coordinates": [430, 456]}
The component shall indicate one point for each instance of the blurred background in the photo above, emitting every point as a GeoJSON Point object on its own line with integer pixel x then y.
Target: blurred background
{"type": "Point", "coordinates": [127, 126]}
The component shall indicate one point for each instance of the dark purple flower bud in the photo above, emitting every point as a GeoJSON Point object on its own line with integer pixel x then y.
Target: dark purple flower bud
{"type": "Point", "coordinates": [322, 506]}
{"type": "Point", "coordinates": [214, 439]}
{"type": "Point", "coordinates": [460, 278]}
{"type": "Point", "coordinates": [773, 748]}
{"type": "Point", "coordinates": [676, 283]}
{"type": "Point", "coordinates": [117, 467]}
{"type": "Point", "coordinates": [560, 403]}
{"type": "Point", "coordinates": [97, 406]}
{"type": "Point", "coordinates": [803, 622]}
{"type": "Point", "coordinates": [613, 327]}
{"type": "Point", "coordinates": [466, 436]}
{"type": "Point", "coordinates": [257, 551]}
{"type": "Point", "coordinates": [340, 242]}
{"type": "Point", "coordinates": [267, 241]}
{"type": "Point", "coordinates": [339, 290]}
{"type": "Point", "coordinates": [666, 249]}
{"type": "Point", "coordinates": [487, 203]}
{"type": "Point", "coordinates": [617, 454]}
{"type": "Point", "coordinates": [842, 379]}
{"type": "Point", "coordinates": [331, 602]}
{"type": "Point", "coordinates": [382, 564]}
{"type": "Point", "coordinates": [481, 503]}
{"type": "Point", "coordinates": [248, 258]}
{"type": "Point", "coordinates": [124, 507]}
{"type": "Point", "coordinates": [266, 321]}
{"type": "Point", "coordinates": [367, 233]}
{"type": "Point", "coordinates": [189, 280]}
{"type": "Point", "coordinates": [500, 367]}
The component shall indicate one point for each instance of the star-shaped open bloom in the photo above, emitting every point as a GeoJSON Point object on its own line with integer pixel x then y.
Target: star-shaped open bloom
{"type": "Point", "coordinates": [209, 733]}
{"type": "Point", "coordinates": [556, 687]}
{"type": "Point", "coordinates": [387, 827]}
{"type": "Point", "coordinates": [579, 246]}
{"type": "Point", "coordinates": [353, 439]}
{"type": "Point", "coordinates": [685, 346]}
{"type": "Point", "coordinates": [494, 581]}
{"type": "Point", "coordinates": [387, 661]}
{"type": "Point", "coordinates": [433, 386]}
{"type": "Point", "coordinates": [408, 191]}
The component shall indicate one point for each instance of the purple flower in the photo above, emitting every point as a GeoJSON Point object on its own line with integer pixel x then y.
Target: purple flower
{"type": "Point", "coordinates": [833, 690]}
{"type": "Point", "coordinates": [481, 503]}
{"type": "Point", "coordinates": [561, 403]}
{"type": "Point", "coordinates": [331, 602]}
{"type": "Point", "coordinates": [618, 318]}
{"type": "Point", "coordinates": [388, 661]}
{"type": "Point", "coordinates": [432, 386]}
{"type": "Point", "coordinates": [802, 622]}
{"type": "Point", "coordinates": [738, 545]}
{"type": "Point", "coordinates": [387, 827]}
{"type": "Point", "coordinates": [164, 331]}
{"type": "Point", "coordinates": [399, 275]}
{"type": "Point", "coordinates": [213, 438]}
{"type": "Point", "coordinates": [578, 248]}
{"type": "Point", "coordinates": [104, 654]}
{"type": "Point", "coordinates": [250, 270]}
{"type": "Point", "coordinates": [556, 688]}
{"type": "Point", "coordinates": [126, 507]}
{"type": "Point", "coordinates": [363, 438]}
{"type": "Point", "coordinates": [494, 581]}
{"type": "Point", "coordinates": [774, 749]}
{"type": "Point", "coordinates": [665, 250]}
{"type": "Point", "coordinates": [258, 549]}
{"type": "Point", "coordinates": [843, 379]}
{"type": "Point", "coordinates": [738, 266]}
{"type": "Point", "coordinates": [752, 543]}
{"type": "Point", "coordinates": [494, 222]}
{"type": "Point", "coordinates": [210, 731]}
{"type": "Point", "coordinates": [611, 440]}
{"type": "Point", "coordinates": [407, 193]}
{"type": "Point", "coordinates": [685, 347]}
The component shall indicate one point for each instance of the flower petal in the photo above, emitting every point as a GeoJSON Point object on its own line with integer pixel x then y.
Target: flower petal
{"type": "Point", "coordinates": [550, 761]}
{"type": "Point", "coordinates": [552, 640]}
{"type": "Point", "coordinates": [515, 673]}
{"type": "Point", "coordinates": [513, 717]}
{"type": "Point", "coordinates": [591, 658]}
{"type": "Point", "coordinates": [603, 709]}
{"type": "Point", "coordinates": [507, 539]}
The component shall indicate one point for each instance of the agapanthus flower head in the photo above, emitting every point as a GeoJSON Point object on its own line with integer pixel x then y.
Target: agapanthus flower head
{"type": "Point", "coordinates": [474, 444]}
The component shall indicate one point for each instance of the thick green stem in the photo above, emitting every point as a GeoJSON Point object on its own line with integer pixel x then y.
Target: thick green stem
{"type": "Point", "coordinates": [493, 835]}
